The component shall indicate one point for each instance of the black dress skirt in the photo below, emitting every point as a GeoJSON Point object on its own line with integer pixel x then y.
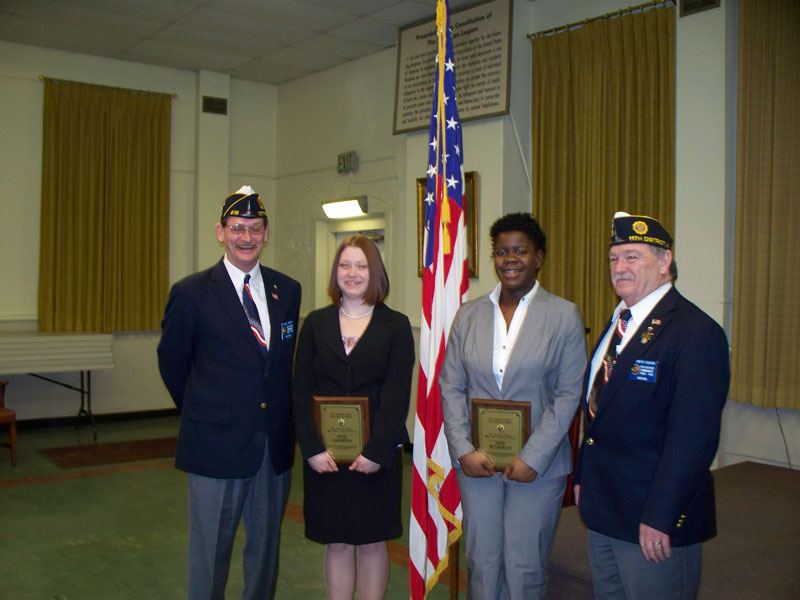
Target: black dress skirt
{"type": "Point", "coordinates": [348, 507]}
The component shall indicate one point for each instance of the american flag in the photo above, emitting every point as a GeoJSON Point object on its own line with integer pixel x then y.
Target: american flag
{"type": "Point", "coordinates": [435, 501]}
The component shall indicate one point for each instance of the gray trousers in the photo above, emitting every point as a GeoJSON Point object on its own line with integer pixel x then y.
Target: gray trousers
{"type": "Point", "coordinates": [621, 572]}
{"type": "Point", "coordinates": [215, 508]}
{"type": "Point", "coordinates": [509, 528]}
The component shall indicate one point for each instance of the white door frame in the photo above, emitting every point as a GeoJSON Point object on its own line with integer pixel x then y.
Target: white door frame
{"type": "Point", "coordinates": [326, 231]}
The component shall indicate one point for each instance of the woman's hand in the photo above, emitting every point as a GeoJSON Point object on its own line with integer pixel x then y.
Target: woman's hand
{"type": "Point", "coordinates": [519, 470]}
{"type": "Point", "coordinates": [476, 464]}
{"type": "Point", "coordinates": [323, 463]}
{"type": "Point", "coordinates": [364, 465]}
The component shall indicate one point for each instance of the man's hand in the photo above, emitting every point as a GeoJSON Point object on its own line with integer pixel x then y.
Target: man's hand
{"type": "Point", "coordinates": [519, 470]}
{"type": "Point", "coordinates": [323, 463]}
{"type": "Point", "coordinates": [476, 464]}
{"type": "Point", "coordinates": [654, 543]}
{"type": "Point", "coordinates": [576, 491]}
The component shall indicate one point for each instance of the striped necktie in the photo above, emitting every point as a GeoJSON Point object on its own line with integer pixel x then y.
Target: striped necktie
{"type": "Point", "coordinates": [251, 311]}
{"type": "Point", "coordinates": [609, 360]}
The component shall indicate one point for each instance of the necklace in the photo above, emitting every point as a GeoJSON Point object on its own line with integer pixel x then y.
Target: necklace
{"type": "Point", "coordinates": [349, 316]}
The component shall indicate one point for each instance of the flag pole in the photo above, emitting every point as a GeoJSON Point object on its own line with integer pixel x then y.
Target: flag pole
{"type": "Point", "coordinates": [454, 570]}
{"type": "Point", "coordinates": [436, 513]}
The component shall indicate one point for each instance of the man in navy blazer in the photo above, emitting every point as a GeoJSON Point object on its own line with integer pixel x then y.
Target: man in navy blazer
{"type": "Point", "coordinates": [652, 400]}
{"type": "Point", "coordinates": [225, 356]}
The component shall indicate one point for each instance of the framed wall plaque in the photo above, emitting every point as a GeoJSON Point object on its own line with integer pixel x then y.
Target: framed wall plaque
{"type": "Point", "coordinates": [482, 55]}
{"type": "Point", "coordinates": [500, 429]}
{"type": "Point", "coordinates": [343, 424]}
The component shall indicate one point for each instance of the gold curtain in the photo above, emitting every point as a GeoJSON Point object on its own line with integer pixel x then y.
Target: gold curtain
{"type": "Point", "coordinates": [104, 252]}
{"type": "Point", "coordinates": [765, 360]}
{"type": "Point", "coordinates": [603, 115]}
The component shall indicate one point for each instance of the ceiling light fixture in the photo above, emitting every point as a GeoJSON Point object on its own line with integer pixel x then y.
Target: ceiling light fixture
{"type": "Point", "coordinates": [345, 208]}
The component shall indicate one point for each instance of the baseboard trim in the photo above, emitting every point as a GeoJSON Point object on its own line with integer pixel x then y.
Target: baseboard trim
{"type": "Point", "coordinates": [52, 422]}
{"type": "Point", "coordinates": [726, 459]}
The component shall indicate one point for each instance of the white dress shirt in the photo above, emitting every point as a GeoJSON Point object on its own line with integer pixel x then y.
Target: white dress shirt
{"type": "Point", "coordinates": [639, 312]}
{"type": "Point", "coordinates": [256, 289]}
{"type": "Point", "coordinates": [506, 337]}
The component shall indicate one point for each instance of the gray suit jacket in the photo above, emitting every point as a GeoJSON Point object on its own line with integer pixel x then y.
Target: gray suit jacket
{"type": "Point", "coordinates": [545, 368]}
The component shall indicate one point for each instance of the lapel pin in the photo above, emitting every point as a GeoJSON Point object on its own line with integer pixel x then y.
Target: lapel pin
{"type": "Point", "coordinates": [275, 291]}
{"type": "Point", "coordinates": [647, 335]}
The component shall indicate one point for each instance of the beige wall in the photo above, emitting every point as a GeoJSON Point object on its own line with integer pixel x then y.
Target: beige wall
{"type": "Point", "coordinates": [284, 140]}
{"type": "Point", "coordinates": [202, 159]}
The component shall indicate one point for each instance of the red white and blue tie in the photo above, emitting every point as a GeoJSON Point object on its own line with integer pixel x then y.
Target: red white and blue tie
{"type": "Point", "coordinates": [251, 311]}
{"type": "Point", "coordinates": [609, 360]}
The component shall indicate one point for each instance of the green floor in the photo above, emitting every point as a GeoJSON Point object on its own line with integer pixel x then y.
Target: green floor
{"type": "Point", "coordinates": [121, 531]}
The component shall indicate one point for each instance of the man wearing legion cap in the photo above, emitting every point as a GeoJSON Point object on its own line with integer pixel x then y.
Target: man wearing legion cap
{"type": "Point", "coordinates": [652, 401]}
{"type": "Point", "coordinates": [225, 355]}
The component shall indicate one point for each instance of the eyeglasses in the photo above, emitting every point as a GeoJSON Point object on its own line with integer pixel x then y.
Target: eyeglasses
{"type": "Point", "coordinates": [256, 230]}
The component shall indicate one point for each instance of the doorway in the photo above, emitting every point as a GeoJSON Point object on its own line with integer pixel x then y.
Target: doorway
{"type": "Point", "coordinates": [329, 235]}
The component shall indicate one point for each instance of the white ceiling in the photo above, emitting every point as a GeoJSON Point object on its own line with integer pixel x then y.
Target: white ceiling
{"type": "Point", "coordinates": [271, 41]}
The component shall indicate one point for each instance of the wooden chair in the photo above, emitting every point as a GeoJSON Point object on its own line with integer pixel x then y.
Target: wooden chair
{"type": "Point", "coordinates": [8, 416]}
{"type": "Point", "coordinates": [574, 435]}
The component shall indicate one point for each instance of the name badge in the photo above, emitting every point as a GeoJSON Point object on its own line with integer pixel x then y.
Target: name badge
{"type": "Point", "coordinates": [644, 370]}
{"type": "Point", "coordinates": [287, 330]}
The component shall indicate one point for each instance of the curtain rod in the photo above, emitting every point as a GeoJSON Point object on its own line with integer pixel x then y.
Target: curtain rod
{"type": "Point", "coordinates": [610, 15]}
{"type": "Point", "coordinates": [107, 87]}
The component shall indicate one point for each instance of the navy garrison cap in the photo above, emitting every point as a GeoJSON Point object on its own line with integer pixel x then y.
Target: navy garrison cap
{"type": "Point", "coordinates": [637, 229]}
{"type": "Point", "coordinates": [245, 203]}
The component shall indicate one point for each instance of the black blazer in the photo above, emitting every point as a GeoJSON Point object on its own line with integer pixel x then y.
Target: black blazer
{"type": "Point", "coordinates": [231, 399]}
{"type": "Point", "coordinates": [379, 367]}
{"type": "Point", "coordinates": [646, 455]}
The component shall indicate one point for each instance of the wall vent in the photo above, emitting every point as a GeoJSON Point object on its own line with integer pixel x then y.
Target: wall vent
{"type": "Point", "coordinates": [690, 7]}
{"type": "Point", "coordinates": [218, 106]}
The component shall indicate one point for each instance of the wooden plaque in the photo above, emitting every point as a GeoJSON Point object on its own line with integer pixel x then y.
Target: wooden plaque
{"type": "Point", "coordinates": [500, 429]}
{"type": "Point", "coordinates": [343, 424]}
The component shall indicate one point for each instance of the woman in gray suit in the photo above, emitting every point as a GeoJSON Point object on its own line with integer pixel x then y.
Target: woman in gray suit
{"type": "Point", "coordinates": [519, 343]}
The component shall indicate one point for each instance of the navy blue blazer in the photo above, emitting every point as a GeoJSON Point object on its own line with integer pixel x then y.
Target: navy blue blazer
{"type": "Point", "coordinates": [646, 455]}
{"type": "Point", "coordinates": [230, 397]}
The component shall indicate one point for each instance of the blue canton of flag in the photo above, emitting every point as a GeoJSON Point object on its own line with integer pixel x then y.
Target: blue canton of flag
{"type": "Point", "coordinates": [444, 159]}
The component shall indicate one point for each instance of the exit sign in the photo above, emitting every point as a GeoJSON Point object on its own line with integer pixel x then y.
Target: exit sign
{"type": "Point", "coordinates": [347, 162]}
